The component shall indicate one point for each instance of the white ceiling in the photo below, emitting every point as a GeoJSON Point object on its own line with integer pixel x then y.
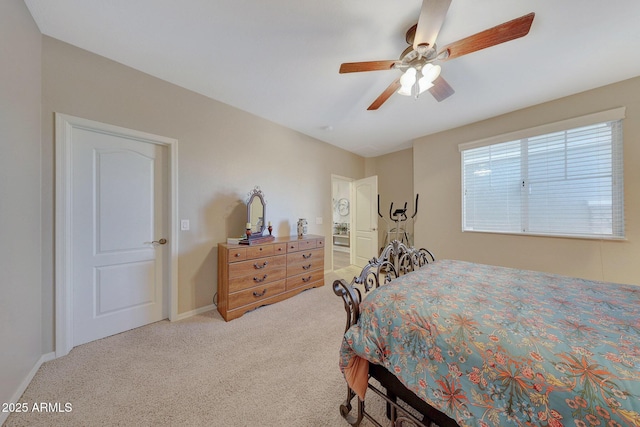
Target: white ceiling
{"type": "Point", "coordinates": [279, 59]}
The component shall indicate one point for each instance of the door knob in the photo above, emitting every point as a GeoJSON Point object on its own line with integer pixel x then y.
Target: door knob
{"type": "Point", "coordinates": [160, 242]}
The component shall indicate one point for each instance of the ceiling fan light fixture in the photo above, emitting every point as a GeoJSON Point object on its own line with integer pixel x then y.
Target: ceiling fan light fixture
{"type": "Point", "coordinates": [431, 72]}
{"type": "Point", "coordinates": [407, 81]}
{"type": "Point", "coordinates": [423, 84]}
{"type": "Point", "coordinates": [406, 91]}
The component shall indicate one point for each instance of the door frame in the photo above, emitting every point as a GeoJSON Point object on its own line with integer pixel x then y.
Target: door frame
{"type": "Point", "coordinates": [64, 124]}
{"type": "Point", "coordinates": [335, 178]}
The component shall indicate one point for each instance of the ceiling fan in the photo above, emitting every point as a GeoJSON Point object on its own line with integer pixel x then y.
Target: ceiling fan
{"type": "Point", "coordinates": [418, 62]}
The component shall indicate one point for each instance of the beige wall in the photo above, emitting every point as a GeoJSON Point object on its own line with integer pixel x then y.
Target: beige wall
{"type": "Point", "coordinates": [223, 154]}
{"type": "Point", "coordinates": [437, 179]}
{"type": "Point", "coordinates": [395, 185]}
{"type": "Point", "coordinates": [20, 278]}
{"type": "Point", "coordinates": [215, 174]}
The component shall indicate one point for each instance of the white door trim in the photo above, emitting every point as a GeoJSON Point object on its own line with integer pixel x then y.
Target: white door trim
{"type": "Point", "coordinates": [63, 241]}
{"type": "Point", "coordinates": [335, 178]}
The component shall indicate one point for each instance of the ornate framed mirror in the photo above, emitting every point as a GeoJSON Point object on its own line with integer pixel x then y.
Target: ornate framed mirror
{"type": "Point", "coordinates": [256, 212]}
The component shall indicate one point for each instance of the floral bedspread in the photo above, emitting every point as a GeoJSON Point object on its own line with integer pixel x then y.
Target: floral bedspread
{"type": "Point", "coordinates": [493, 346]}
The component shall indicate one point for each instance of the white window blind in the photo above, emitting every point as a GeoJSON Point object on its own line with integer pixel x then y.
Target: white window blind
{"type": "Point", "coordinates": [562, 183]}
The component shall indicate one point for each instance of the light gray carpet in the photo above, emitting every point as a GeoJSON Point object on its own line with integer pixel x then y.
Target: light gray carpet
{"type": "Point", "coordinates": [275, 366]}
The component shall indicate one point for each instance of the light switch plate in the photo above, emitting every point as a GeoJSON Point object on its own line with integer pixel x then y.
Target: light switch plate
{"type": "Point", "coordinates": [184, 225]}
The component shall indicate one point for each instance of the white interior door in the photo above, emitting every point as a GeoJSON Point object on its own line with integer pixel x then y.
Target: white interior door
{"type": "Point", "coordinates": [365, 222]}
{"type": "Point", "coordinates": [118, 209]}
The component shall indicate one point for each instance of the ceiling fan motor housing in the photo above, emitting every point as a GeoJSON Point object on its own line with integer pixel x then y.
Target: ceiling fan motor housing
{"type": "Point", "coordinates": [412, 58]}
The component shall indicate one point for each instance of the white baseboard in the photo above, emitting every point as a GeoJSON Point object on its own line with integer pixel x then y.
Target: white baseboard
{"type": "Point", "coordinates": [26, 381]}
{"type": "Point", "coordinates": [195, 312]}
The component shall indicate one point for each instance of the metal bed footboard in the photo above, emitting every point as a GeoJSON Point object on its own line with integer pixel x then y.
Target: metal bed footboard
{"type": "Point", "coordinates": [396, 259]}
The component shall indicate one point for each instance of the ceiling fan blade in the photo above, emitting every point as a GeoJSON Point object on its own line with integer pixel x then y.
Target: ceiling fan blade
{"type": "Point", "coordinates": [356, 67]}
{"type": "Point", "coordinates": [430, 21]}
{"type": "Point", "coordinates": [393, 87]}
{"type": "Point", "coordinates": [505, 32]}
{"type": "Point", "coordinates": [441, 89]}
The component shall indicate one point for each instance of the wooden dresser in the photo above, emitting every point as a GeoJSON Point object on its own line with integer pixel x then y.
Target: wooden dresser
{"type": "Point", "coordinates": [255, 275]}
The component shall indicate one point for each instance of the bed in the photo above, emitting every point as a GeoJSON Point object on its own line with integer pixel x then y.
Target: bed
{"type": "Point", "coordinates": [464, 344]}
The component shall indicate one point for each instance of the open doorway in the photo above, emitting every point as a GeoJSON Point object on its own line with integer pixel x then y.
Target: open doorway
{"type": "Point", "coordinates": [341, 221]}
{"type": "Point", "coordinates": [354, 239]}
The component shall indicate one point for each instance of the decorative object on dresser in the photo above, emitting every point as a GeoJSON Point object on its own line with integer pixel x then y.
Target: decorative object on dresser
{"type": "Point", "coordinates": [256, 214]}
{"type": "Point", "coordinates": [264, 273]}
{"type": "Point", "coordinates": [302, 227]}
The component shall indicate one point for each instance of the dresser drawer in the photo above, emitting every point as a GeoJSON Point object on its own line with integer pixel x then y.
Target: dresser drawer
{"type": "Point", "coordinates": [305, 279]}
{"type": "Point", "coordinates": [259, 251]}
{"type": "Point", "coordinates": [306, 244]}
{"type": "Point", "coordinates": [256, 266]}
{"type": "Point", "coordinates": [304, 261]}
{"type": "Point", "coordinates": [237, 254]}
{"type": "Point", "coordinates": [279, 248]}
{"type": "Point", "coordinates": [256, 294]}
{"type": "Point", "coordinates": [258, 278]}
{"type": "Point", "coordinates": [292, 246]}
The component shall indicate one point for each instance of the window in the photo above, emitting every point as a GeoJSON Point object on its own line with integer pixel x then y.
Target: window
{"type": "Point", "coordinates": [562, 179]}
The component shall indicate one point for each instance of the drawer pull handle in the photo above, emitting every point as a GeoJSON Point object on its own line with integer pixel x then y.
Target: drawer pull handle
{"type": "Point", "coordinates": [307, 256]}
{"type": "Point", "coordinates": [306, 279]}
{"type": "Point", "coordinates": [237, 255]}
{"type": "Point", "coordinates": [260, 280]}
{"type": "Point", "coordinates": [306, 267]}
{"type": "Point", "coordinates": [259, 294]}
{"type": "Point", "coordinates": [257, 267]}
